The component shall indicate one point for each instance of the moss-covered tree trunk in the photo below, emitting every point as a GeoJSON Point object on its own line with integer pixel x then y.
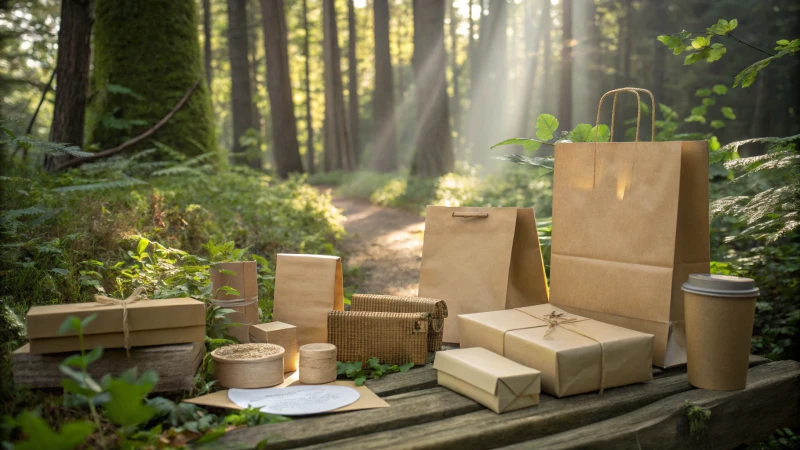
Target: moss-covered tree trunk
{"type": "Point", "coordinates": [146, 57]}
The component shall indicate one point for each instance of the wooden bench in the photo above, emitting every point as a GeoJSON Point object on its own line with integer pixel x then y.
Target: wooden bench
{"type": "Point", "coordinates": [648, 415]}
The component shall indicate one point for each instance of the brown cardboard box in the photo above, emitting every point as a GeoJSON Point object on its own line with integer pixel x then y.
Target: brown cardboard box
{"type": "Point", "coordinates": [488, 378]}
{"type": "Point", "coordinates": [151, 322]}
{"type": "Point", "coordinates": [578, 355]}
{"type": "Point", "coordinates": [241, 276]}
{"type": "Point", "coordinates": [278, 333]}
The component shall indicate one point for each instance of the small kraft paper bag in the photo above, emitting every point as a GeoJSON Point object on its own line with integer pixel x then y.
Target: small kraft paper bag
{"type": "Point", "coordinates": [243, 299]}
{"type": "Point", "coordinates": [481, 259]}
{"type": "Point", "coordinates": [630, 223]}
{"type": "Point", "coordinates": [307, 288]}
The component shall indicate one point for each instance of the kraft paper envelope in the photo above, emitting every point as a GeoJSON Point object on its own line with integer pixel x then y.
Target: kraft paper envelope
{"type": "Point", "coordinates": [367, 399]}
{"type": "Point", "coordinates": [488, 378]}
{"type": "Point", "coordinates": [578, 355]}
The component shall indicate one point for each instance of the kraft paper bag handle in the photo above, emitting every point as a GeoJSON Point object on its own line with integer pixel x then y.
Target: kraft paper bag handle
{"type": "Point", "coordinates": [473, 215]}
{"type": "Point", "coordinates": [634, 91]}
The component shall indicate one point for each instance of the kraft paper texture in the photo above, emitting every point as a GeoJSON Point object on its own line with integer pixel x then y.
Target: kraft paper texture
{"type": "Point", "coordinates": [478, 264]}
{"type": "Point", "coordinates": [576, 357]}
{"type": "Point", "coordinates": [278, 333]}
{"type": "Point", "coordinates": [244, 305]}
{"type": "Point", "coordinates": [151, 322]}
{"type": "Point", "coordinates": [630, 223]}
{"type": "Point", "coordinates": [488, 378]}
{"type": "Point", "coordinates": [367, 399]}
{"type": "Point", "coordinates": [307, 287]}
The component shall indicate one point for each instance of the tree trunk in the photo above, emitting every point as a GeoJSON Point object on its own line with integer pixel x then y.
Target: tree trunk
{"type": "Point", "coordinates": [309, 122]}
{"type": "Point", "coordinates": [253, 56]}
{"type": "Point", "coordinates": [565, 97]}
{"type": "Point", "coordinates": [72, 71]}
{"type": "Point", "coordinates": [140, 45]}
{"type": "Point", "coordinates": [285, 150]}
{"type": "Point", "coordinates": [352, 79]}
{"type": "Point", "coordinates": [456, 70]}
{"type": "Point", "coordinates": [661, 26]}
{"type": "Point", "coordinates": [585, 50]}
{"type": "Point", "coordinates": [547, 64]}
{"type": "Point", "coordinates": [433, 142]}
{"type": "Point", "coordinates": [207, 55]}
{"type": "Point", "coordinates": [533, 35]}
{"type": "Point", "coordinates": [241, 95]}
{"type": "Point", "coordinates": [384, 147]}
{"type": "Point", "coordinates": [338, 151]}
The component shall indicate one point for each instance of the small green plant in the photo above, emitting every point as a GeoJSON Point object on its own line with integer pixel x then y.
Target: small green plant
{"type": "Point", "coordinates": [782, 439]}
{"type": "Point", "coordinates": [698, 419]}
{"type": "Point", "coordinates": [374, 370]}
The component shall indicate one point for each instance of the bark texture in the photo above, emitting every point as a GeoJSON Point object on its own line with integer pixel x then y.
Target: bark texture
{"type": "Point", "coordinates": [339, 153]}
{"type": "Point", "coordinates": [309, 121]}
{"type": "Point", "coordinates": [352, 79]}
{"type": "Point", "coordinates": [285, 149]}
{"type": "Point", "coordinates": [241, 95]}
{"type": "Point", "coordinates": [159, 69]}
{"type": "Point", "coordinates": [433, 142]}
{"type": "Point", "coordinates": [72, 71]}
{"type": "Point", "coordinates": [565, 97]}
{"type": "Point", "coordinates": [384, 145]}
{"type": "Point", "coordinates": [207, 43]}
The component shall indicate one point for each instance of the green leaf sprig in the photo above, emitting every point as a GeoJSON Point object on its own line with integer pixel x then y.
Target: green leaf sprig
{"type": "Point", "coordinates": [374, 370]}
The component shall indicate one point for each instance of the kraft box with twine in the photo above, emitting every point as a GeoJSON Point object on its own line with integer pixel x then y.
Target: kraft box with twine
{"type": "Point", "coordinates": [133, 322]}
{"type": "Point", "coordinates": [573, 353]}
{"type": "Point", "coordinates": [240, 276]}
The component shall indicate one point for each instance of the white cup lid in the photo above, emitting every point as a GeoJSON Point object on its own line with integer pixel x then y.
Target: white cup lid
{"type": "Point", "coordinates": [720, 285]}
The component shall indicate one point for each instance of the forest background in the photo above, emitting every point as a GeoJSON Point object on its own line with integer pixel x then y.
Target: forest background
{"type": "Point", "coordinates": [393, 101]}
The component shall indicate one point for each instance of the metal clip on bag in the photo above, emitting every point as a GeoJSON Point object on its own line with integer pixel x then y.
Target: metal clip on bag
{"type": "Point", "coordinates": [394, 338]}
{"type": "Point", "coordinates": [391, 303]}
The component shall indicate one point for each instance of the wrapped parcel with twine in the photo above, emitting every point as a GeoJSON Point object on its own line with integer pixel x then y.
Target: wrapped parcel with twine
{"type": "Point", "coordinates": [574, 354]}
{"type": "Point", "coordinates": [120, 323]}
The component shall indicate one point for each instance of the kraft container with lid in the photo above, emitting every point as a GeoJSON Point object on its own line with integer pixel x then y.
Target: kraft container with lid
{"type": "Point", "coordinates": [719, 311]}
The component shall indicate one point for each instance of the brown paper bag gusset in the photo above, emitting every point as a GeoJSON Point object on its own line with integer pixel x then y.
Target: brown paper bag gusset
{"type": "Point", "coordinates": [488, 378]}
{"type": "Point", "coordinates": [630, 223]}
{"type": "Point", "coordinates": [307, 287]}
{"type": "Point", "coordinates": [574, 354]}
{"type": "Point", "coordinates": [481, 259]}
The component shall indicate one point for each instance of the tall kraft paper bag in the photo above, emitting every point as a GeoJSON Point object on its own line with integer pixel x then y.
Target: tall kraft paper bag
{"type": "Point", "coordinates": [630, 223]}
{"type": "Point", "coordinates": [307, 287]}
{"type": "Point", "coordinates": [481, 259]}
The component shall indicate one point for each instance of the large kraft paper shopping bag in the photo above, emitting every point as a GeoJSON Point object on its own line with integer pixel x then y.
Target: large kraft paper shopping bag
{"type": "Point", "coordinates": [481, 259]}
{"type": "Point", "coordinates": [630, 223]}
{"type": "Point", "coordinates": [307, 287]}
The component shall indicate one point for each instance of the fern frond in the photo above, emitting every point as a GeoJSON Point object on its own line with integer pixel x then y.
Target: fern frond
{"type": "Point", "coordinates": [536, 161]}
{"type": "Point", "coordinates": [177, 170]}
{"type": "Point", "coordinates": [116, 184]}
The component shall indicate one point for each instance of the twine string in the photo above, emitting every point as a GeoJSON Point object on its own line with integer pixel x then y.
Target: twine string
{"type": "Point", "coordinates": [555, 319]}
{"type": "Point", "coordinates": [137, 295]}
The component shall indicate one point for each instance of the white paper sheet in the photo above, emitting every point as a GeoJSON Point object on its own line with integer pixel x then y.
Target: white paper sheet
{"type": "Point", "coordinates": [295, 400]}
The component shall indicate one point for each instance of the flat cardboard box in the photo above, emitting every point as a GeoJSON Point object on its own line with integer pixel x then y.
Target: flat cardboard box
{"type": "Point", "coordinates": [150, 322]}
{"type": "Point", "coordinates": [578, 356]}
{"type": "Point", "coordinates": [367, 399]}
{"type": "Point", "coordinates": [278, 333]}
{"type": "Point", "coordinates": [492, 380]}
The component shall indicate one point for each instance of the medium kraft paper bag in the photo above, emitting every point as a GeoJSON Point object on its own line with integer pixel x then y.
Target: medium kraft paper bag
{"type": "Point", "coordinates": [481, 259]}
{"type": "Point", "coordinates": [630, 223]}
{"type": "Point", "coordinates": [307, 287]}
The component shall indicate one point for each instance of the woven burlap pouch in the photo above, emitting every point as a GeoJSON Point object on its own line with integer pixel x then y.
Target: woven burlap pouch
{"type": "Point", "coordinates": [392, 303]}
{"type": "Point", "coordinates": [394, 338]}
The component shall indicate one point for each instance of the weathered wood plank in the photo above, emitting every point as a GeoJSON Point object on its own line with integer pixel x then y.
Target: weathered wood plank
{"type": "Point", "coordinates": [397, 383]}
{"type": "Point", "coordinates": [659, 372]}
{"type": "Point", "coordinates": [175, 364]}
{"type": "Point", "coordinates": [406, 410]}
{"type": "Point", "coordinates": [485, 429]}
{"type": "Point", "coordinates": [771, 400]}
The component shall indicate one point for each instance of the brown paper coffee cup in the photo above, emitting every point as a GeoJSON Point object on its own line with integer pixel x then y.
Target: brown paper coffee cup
{"type": "Point", "coordinates": [719, 313]}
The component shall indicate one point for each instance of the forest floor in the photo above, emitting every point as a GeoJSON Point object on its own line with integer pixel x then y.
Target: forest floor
{"type": "Point", "coordinates": [385, 244]}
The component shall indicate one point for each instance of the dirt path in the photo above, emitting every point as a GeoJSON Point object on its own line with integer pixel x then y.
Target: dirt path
{"type": "Point", "coordinates": [385, 243]}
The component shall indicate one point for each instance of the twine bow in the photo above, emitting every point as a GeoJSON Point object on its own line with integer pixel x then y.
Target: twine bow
{"type": "Point", "coordinates": [134, 297]}
{"type": "Point", "coordinates": [555, 319]}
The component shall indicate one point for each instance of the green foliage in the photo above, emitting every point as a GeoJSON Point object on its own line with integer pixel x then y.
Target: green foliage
{"type": "Point", "coordinates": [698, 419]}
{"type": "Point", "coordinates": [748, 76]}
{"type": "Point", "coordinates": [374, 370]}
{"type": "Point", "coordinates": [782, 439]}
{"type": "Point", "coordinates": [39, 435]}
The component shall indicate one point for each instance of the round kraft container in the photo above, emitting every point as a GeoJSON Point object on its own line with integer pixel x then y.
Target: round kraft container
{"type": "Point", "coordinates": [248, 366]}
{"type": "Point", "coordinates": [317, 363]}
